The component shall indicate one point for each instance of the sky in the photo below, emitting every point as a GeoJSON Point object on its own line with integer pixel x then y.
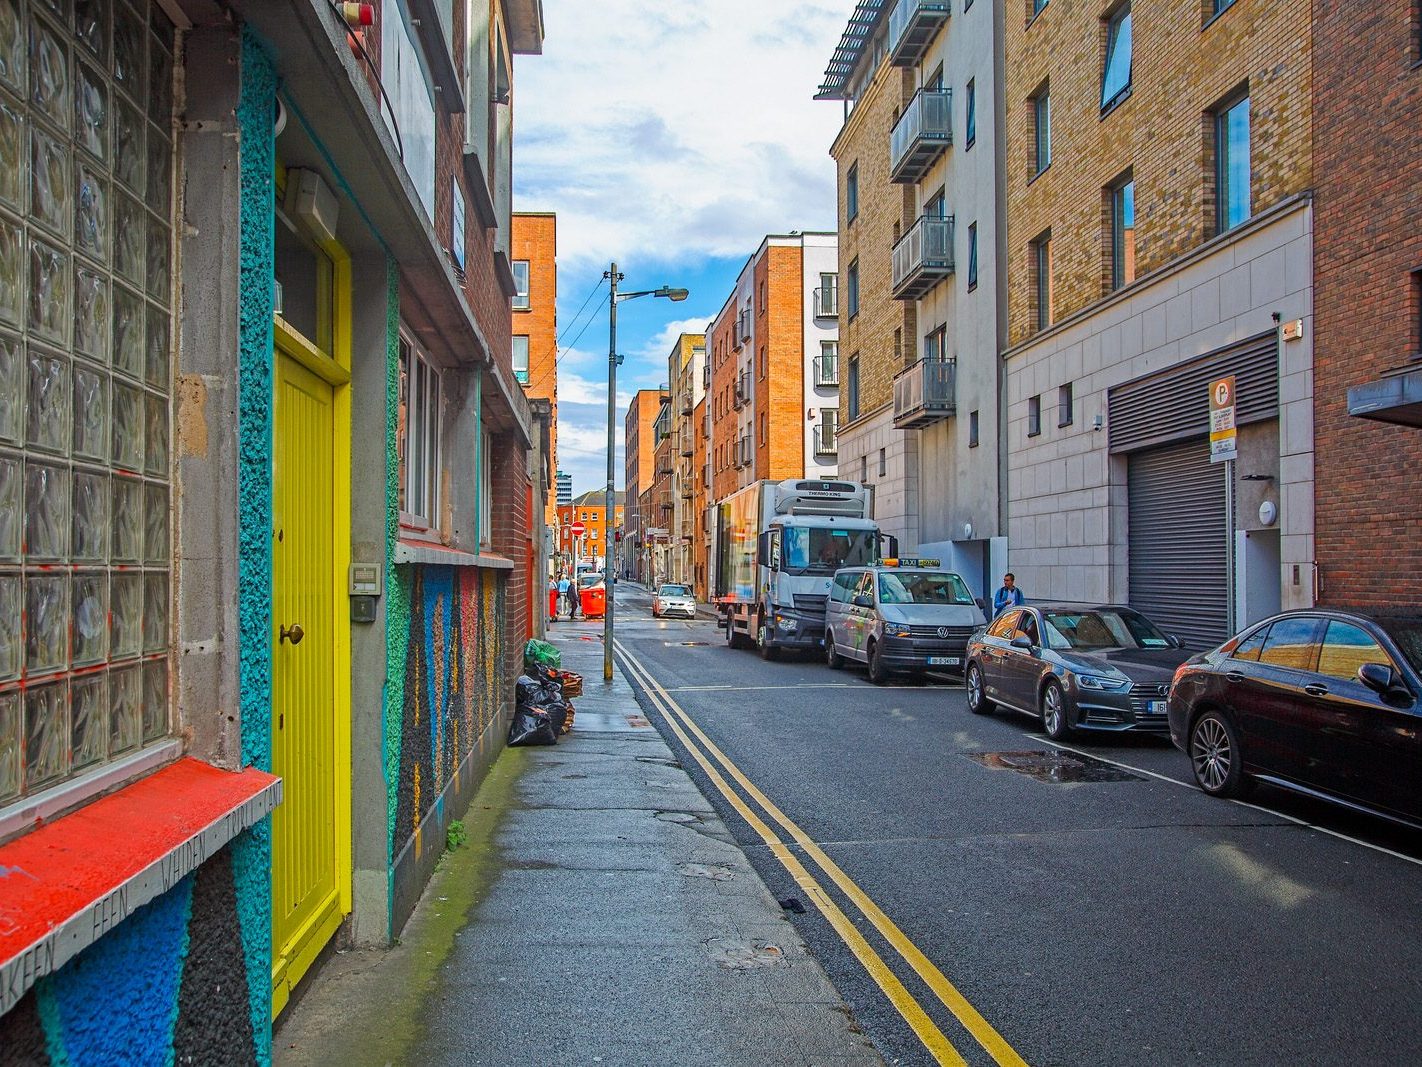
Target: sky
{"type": "Point", "coordinates": [670, 138]}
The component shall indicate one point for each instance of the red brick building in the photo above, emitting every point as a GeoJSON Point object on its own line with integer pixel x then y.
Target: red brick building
{"type": "Point", "coordinates": [1367, 89]}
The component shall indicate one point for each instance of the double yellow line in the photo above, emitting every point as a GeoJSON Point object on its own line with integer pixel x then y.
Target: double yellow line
{"type": "Point", "coordinates": [928, 1032]}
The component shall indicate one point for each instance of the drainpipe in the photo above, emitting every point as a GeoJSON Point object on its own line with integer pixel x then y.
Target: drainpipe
{"type": "Point", "coordinates": [479, 530]}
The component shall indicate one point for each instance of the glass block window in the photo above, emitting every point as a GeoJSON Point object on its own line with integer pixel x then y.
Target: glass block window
{"type": "Point", "coordinates": [86, 279]}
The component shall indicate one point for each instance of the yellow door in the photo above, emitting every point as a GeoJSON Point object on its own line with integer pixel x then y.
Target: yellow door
{"type": "Point", "coordinates": [306, 730]}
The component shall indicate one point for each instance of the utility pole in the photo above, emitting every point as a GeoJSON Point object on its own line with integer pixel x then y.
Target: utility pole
{"type": "Point", "coordinates": [609, 584]}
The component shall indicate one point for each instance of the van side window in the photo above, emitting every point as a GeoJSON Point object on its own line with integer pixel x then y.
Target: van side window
{"type": "Point", "coordinates": [843, 583]}
{"type": "Point", "coordinates": [866, 585]}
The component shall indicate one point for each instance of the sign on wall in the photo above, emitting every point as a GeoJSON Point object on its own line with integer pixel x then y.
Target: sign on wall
{"type": "Point", "coordinates": [1223, 441]}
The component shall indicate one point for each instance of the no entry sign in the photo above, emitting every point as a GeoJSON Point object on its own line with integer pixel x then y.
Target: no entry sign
{"type": "Point", "coordinates": [577, 529]}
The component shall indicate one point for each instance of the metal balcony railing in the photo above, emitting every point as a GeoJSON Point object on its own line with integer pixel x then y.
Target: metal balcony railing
{"type": "Point", "coordinates": [687, 406]}
{"type": "Point", "coordinates": [923, 257]}
{"type": "Point", "coordinates": [912, 26]}
{"type": "Point", "coordinates": [826, 441]}
{"type": "Point", "coordinates": [925, 392]}
{"type": "Point", "coordinates": [826, 301]}
{"type": "Point", "coordinates": [826, 371]}
{"type": "Point", "coordinates": [922, 134]}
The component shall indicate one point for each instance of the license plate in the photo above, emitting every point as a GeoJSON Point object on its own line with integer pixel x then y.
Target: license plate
{"type": "Point", "coordinates": [1155, 707]}
{"type": "Point", "coordinates": [944, 661]}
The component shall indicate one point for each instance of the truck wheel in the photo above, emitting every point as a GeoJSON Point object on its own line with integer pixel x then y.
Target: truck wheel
{"type": "Point", "coordinates": [832, 657]}
{"type": "Point", "coordinates": [767, 650]}
{"type": "Point", "coordinates": [878, 672]}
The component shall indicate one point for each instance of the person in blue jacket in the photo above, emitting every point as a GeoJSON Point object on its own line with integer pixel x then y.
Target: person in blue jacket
{"type": "Point", "coordinates": [1009, 596]}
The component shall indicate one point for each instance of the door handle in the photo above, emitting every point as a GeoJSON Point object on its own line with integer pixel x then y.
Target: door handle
{"type": "Point", "coordinates": [1233, 676]}
{"type": "Point", "coordinates": [1316, 690]}
{"type": "Point", "coordinates": [294, 634]}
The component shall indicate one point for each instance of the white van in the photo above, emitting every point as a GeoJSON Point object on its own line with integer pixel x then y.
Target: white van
{"type": "Point", "coordinates": [900, 615]}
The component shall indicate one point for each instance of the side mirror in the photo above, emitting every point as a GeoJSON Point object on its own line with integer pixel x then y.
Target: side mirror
{"type": "Point", "coordinates": [1023, 642]}
{"type": "Point", "coordinates": [863, 600]}
{"type": "Point", "coordinates": [1378, 677]}
{"type": "Point", "coordinates": [1175, 642]}
{"type": "Point", "coordinates": [980, 602]}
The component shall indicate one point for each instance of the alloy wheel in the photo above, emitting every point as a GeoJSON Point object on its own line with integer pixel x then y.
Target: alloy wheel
{"type": "Point", "coordinates": [1054, 712]}
{"type": "Point", "coordinates": [1211, 753]}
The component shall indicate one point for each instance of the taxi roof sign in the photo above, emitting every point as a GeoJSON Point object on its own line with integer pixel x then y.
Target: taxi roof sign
{"type": "Point", "coordinates": [897, 562]}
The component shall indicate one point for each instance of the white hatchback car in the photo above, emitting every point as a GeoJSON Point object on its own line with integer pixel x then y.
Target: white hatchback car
{"type": "Point", "coordinates": [673, 600]}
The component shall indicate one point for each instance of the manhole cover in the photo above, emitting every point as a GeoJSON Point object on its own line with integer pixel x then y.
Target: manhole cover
{"type": "Point", "coordinates": [1055, 766]}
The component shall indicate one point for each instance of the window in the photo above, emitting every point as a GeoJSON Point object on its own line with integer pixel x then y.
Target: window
{"type": "Point", "coordinates": [1116, 72]}
{"type": "Point", "coordinates": [936, 207]}
{"type": "Point", "coordinates": [827, 369]}
{"type": "Point", "coordinates": [410, 111]}
{"type": "Point", "coordinates": [1042, 280]}
{"type": "Point", "coordinates": [827, 295]}
{"type": "Point", "coordinates": [864, 470]}
{"type": "Point", "coordinates": [420, 397]}
{"type": "Point", "coordinates": [883, 463]}
{"type": "Point", "coordinates": [1041, 129]}
{"type": "Point", "coordinates": [520, 273]}
{"type": "Point", "coordinates": [935, 345]}
{"type": "Point", "coordinates": [1064, 405]}
{"type": "Point", "coordinates": [1346, 648]}
{"type": "Point", "coordinates": [1035, 7]}
{"type": "Point", "coordinates": [829, 427]}
{"type": "Point", "coordinates": [520, 358]}
{"type": "Point", "coordinates": [1232, 203]}
{"type": "Point", "coordinates": [486, 489]}
{"type": "Point", "coordinates": [972, 429]}
{"type": "Point", "coordinates": [85, 367]}
{"type": "Point", "coordinates": [1034, 415]}
{"type": "Point", "coordinates": [972, 256]}
{"type": "Point", "coordinates": [456, 223]}
{"type": "Point", "coordinates": [762, 362]}
{"type": "Point", "coordinates": [1214, 7]}
{"type": "Point", "coordinates": [1417, 311]}
{"type": "Point", "coordinates": [1292, 643]}
{"type": "Point", "coordinates": [1248, 649]}
{"type": "Point", "coordinates": [851, 390]}
{"type": "Point", "coordinates": [1123, 233]}
{"type": "Point", "coordinates": [972, 120]}
{"type": "Point", "coordinates": [853, 285]}
{"type": "Point", "coordinates": [851, 193]}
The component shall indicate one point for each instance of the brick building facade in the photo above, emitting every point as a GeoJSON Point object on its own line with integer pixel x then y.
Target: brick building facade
{"type": "Point", "coordinates": [639, 471]}
{"type": "Point", "coordinates": [535, 319]}
{"type": "Point", "coordinates": [1367, 107]}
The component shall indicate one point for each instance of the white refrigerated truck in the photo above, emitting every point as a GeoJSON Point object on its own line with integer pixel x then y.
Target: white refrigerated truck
{"type": "Point", "coordinates": [777, 546]}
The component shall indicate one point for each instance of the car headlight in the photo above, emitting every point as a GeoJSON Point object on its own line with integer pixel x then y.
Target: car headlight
{"type": "Point", "coordinates": [901, 632]}
{"type": "Point", "coordinates": [786, 624]}
{"type": "Point", "coordinates": [1096, 681]}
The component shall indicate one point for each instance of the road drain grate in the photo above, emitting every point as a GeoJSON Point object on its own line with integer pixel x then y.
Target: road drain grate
{"type": "Point", "coordinates": [1057, 767]}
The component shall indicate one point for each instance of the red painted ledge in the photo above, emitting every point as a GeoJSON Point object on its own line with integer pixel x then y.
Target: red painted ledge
{"type": "Point", "coordinates": [67, 883]}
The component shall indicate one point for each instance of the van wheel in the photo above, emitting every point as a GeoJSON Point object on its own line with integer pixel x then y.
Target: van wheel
{"type": "Point", "coordinates": [832, 657]}
{"type": "Point", "coordinates": [878, 672]}
{"type": "Point", "coordinates": [768, 651]}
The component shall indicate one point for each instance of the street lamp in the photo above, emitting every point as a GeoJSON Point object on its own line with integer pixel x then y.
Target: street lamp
{"type": "Point", "coordinates": [613, 359]}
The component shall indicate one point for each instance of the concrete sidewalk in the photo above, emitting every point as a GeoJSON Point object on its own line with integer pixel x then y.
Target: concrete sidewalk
{"type": "Point", "coordinates": [600, 912]}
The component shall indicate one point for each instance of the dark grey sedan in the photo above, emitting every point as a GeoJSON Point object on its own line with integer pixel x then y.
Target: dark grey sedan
{"type": "Point", "coordinates": [1104, 667]}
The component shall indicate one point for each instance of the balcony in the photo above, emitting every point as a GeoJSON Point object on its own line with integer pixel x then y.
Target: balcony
{"type": "Point", "coordinates": [923, 257]}
{"type": "Point", "coordinates": [826, 441]}
{"type": "Point", "coordinates": [743, 391]}
{"type": "Point", "coordinates": [826, 301]}
{"type": "Point", "coordinates": [687, 446]}
{"type": "Point", "coordinates": [912, 26]}
{"type": "Point", "coordinates": [925, 392]}
{"type": "Point", "coordinates": [687, 406]}
{"type": "Point", "coordinates": [826, 372]}
{"type": "Point", "coordinates": [921, 136]}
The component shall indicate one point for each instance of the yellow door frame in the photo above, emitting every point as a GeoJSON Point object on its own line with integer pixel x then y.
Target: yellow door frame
{"type": "Point", "coordinates": [335, 369]}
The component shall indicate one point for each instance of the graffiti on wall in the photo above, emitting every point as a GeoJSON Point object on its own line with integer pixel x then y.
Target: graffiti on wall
{"type": "Point", "coordinates": [450, 683]}
{"type": "Point", "coordinates": [177, 967]}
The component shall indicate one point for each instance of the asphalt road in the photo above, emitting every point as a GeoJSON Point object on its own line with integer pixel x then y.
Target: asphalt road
{"type": "Point", "coordinates": [1128, 921]}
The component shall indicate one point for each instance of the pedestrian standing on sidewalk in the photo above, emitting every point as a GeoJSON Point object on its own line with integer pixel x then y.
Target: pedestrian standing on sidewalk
{"type": "Point", "coordinates": [1009, 596]}
{"type": "Point", "coordinates": [563, 584]}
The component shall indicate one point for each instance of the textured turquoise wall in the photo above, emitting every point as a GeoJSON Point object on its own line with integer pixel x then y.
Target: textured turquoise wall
{"type": "Point", "coordinates": [397, 580]}
{"type": "Point", "coordinates": [252, 851]}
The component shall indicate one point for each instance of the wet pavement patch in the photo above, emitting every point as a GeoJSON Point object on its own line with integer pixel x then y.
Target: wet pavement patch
{"type": "Point", "coordinates": [1058, 767]}
{"type": "Point", "coordinates": [743, 955]}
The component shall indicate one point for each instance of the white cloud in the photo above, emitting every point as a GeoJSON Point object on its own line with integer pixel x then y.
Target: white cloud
{"type": "Point", "coordinates": [675, 131]}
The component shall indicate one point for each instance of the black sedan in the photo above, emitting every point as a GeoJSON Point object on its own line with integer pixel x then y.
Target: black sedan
{"type": "Point", "coordinates": [1105, 667]}
{"type": "Point", "coordinates": [1321, 702]}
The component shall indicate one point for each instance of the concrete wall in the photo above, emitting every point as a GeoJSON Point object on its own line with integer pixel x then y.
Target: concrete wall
{"type": "Point", "coordinates": [1066, 496]}
{"type": "Point", "coordinates": [821, 255]}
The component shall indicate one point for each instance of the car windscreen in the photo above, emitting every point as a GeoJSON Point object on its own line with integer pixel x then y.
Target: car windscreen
{"type": "Point", "coordinates": [673, 590]}
{"type": "Point", "coordinates": [823, 550]}
{"type": "Point", "coordinates": [922, 587]}
{"type": "Point", "coordinates": [587, 580]}
{"type": "Point", "coordinates": [1089, 630]}
{"type": "Point", "coordinates": [1407, 633]}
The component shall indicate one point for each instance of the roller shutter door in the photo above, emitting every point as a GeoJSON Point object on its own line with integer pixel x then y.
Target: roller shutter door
{"type": "Point", "coordinates": [1177, 547]}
